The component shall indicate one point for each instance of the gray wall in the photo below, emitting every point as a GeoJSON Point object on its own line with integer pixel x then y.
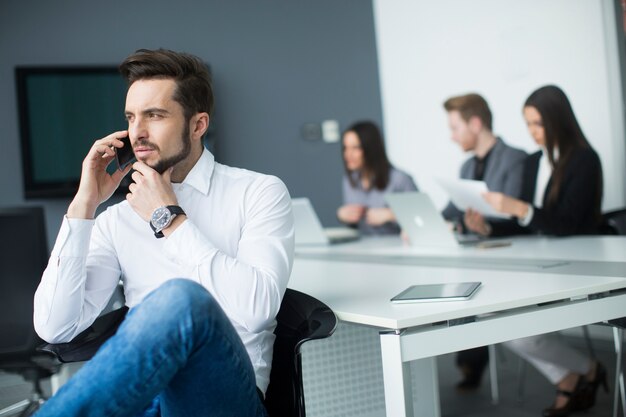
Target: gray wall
{"type": "Point", "coordinates": [276, 65]}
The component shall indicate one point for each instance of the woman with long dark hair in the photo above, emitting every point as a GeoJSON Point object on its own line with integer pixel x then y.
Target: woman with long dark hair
{"type": "Point", "coordinates": [562, 186]}
{"type": "Point", "coordinates": [561, 195]}
{"type": "Point", "coordinates": [369, 176]}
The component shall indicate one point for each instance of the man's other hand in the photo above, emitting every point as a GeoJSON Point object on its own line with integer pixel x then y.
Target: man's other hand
{"type": "Point", "coordinates": [150, 190]}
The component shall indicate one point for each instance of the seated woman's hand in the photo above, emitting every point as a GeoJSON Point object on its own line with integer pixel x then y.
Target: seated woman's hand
{"type": "Point", "coordinates": [350, 213]}
{"type": "Point", "coordinates": [507, 205]}
{"type": "Point", "coordinates": [475, 222]}
{"type": "Point", "coordinates": [379, 216]}
{"type": "Point", "coordinates": [454, 226]}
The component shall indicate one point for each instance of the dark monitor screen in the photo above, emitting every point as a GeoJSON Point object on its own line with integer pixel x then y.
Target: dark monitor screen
{"type": "Point", "coordinates": [62, 111]}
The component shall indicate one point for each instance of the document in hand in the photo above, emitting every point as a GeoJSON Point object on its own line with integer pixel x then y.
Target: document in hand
{"type": "Point", "coordinates": [469, 194]}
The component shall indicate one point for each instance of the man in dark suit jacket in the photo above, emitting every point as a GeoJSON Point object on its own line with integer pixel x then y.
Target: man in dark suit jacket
{"type": "Point", "coordinates": [500, 166]}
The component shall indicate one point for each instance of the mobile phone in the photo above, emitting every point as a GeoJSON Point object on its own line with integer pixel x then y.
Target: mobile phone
{"type": "Point", "coordinates": [125, 154]}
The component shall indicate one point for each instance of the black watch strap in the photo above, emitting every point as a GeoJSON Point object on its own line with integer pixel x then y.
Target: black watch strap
{"type": "Point", "coordinates": [175, 209]}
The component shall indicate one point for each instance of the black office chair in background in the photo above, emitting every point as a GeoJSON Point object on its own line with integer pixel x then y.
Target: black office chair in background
{"type": "Point", "coordinates": [301, 318]}
{"type": "Point", "coordinates": [614, 222]}
{"type": "Point", "coordinates": [23, 257]}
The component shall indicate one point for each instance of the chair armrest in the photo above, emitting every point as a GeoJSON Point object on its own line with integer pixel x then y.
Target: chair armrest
{"type": "Point", "coordinates": [84, 346]}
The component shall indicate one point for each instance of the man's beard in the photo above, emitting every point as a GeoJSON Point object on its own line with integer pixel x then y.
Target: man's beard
{"type": "Point", "coordinates": [164, 164]}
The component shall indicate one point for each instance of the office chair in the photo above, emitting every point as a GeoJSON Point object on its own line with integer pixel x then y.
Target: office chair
{"type": "Point", "coordinates": [301, 318]}
{"type": "Point", "coordinates": [614, 222]}
{"type": "Point", "coordinates": [23, 257]}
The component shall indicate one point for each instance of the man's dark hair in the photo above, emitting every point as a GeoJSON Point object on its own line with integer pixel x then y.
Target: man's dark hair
{"type": "Point", "coordinates": [193, 82]}
{"type": "Point", "coordinates": [375, 161]}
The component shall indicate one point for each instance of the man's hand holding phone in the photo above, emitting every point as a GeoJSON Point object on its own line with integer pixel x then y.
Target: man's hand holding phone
{"type": "Point", "coordinates": [124, 155]}
{"type": "Point", "coordinates": [96, 184]}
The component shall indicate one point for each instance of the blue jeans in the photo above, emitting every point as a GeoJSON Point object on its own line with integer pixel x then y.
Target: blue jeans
{"type": "Point", "coordinates": [175, 355]}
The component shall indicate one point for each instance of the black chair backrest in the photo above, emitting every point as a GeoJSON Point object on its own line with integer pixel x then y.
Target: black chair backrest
{"type": "Point", "coordinates": [301, 318]}
{"type": "Point", "coordinates": [616, 221]}
{"type": "Point", "coordinates": [84, 346]}
{"type": "Point", "coordinates": [23, 257]}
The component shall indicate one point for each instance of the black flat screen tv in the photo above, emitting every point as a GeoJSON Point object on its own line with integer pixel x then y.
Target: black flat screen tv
{"type": "Point", "coordinates": [62, 111]}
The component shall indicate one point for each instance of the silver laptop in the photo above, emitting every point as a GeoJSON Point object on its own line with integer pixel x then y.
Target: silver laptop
{"type": "Point", "coordinates": [309, 230]}
{"type": "Point", "coordinates": [422, 222]}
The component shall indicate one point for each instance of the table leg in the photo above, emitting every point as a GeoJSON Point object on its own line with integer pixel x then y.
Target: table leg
{"type": "Point", "coordinates": [396, 377]}
{"type": "Point", "coordinates": [398, 385]}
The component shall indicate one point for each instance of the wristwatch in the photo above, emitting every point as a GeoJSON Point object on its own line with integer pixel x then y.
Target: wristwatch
{"type": "Point", "coordinates": [162, 217]}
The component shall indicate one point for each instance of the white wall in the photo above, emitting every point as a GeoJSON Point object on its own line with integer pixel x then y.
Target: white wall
{"type": "Point", "coordinates": [502, 49]}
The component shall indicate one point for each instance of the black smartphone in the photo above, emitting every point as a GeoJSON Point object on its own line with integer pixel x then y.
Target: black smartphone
{"type": "Point", "coordinates": [125, 154]}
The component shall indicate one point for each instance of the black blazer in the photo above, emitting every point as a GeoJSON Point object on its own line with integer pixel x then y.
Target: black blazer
{"type": "Point", "coordinates": [577, 207]}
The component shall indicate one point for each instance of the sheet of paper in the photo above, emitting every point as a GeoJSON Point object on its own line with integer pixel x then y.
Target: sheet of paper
{"type": "Point", "coordinates": [468, 194]}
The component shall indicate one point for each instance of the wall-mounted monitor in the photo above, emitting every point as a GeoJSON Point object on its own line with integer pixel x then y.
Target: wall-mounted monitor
{"type": "Point", "coordinates": [62, 111]}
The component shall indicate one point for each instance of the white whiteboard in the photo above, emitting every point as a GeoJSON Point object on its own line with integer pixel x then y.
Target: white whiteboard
{"type": "Point", "coordinates": [503, 50]}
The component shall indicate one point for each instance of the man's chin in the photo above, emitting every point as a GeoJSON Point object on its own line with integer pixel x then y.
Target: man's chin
{"type": "Point", "coordinates": [155, 165]}
{"type": "Point", "coordinates": [162, 165]}
{"type": "Point", "coordinates": [159, 167]}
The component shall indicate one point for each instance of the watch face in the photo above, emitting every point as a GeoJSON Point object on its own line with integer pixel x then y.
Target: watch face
{"type": "Point", "coordinates": [161, 217]}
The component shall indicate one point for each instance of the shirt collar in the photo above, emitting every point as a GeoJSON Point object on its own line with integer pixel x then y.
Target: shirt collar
{"type": "Point", "coordinates": [200, 175]}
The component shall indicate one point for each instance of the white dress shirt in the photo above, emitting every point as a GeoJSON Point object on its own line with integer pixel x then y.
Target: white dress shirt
{"type": "Point", "coordinates": [544, 173]}
{"type": "Point", "coordinates": [237, 241]}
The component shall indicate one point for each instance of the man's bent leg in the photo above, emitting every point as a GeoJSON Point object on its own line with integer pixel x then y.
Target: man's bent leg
{"type": "Point", "coordinates": [177, 343]}
{"type": "Point", "coordinates": [218, 379]}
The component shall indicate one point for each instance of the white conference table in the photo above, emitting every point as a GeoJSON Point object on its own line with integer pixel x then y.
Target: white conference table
{"type": "Point", "coordinates": [534, 286]}
{"type": "Point", "coordinates": [574, 248]}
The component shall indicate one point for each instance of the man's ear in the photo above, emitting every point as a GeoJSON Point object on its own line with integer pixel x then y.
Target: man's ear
{"type": "Point", "coordinates": [475, 124]}
{"type": "Point", "coordinates": [199, 124]}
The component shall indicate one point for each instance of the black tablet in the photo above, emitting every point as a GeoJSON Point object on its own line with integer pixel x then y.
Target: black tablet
{"type": "Point", "coordinates": [453, 291]}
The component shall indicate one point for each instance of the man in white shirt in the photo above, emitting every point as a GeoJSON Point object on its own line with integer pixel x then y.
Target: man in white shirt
{"type": "Point", "coordinates": [204, 252]}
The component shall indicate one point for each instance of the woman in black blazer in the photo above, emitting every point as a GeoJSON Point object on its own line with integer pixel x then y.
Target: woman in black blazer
{"type": "Point", "coordinates": [561, 195]}
{"type": "Point", "coordinates": [562, 185]}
